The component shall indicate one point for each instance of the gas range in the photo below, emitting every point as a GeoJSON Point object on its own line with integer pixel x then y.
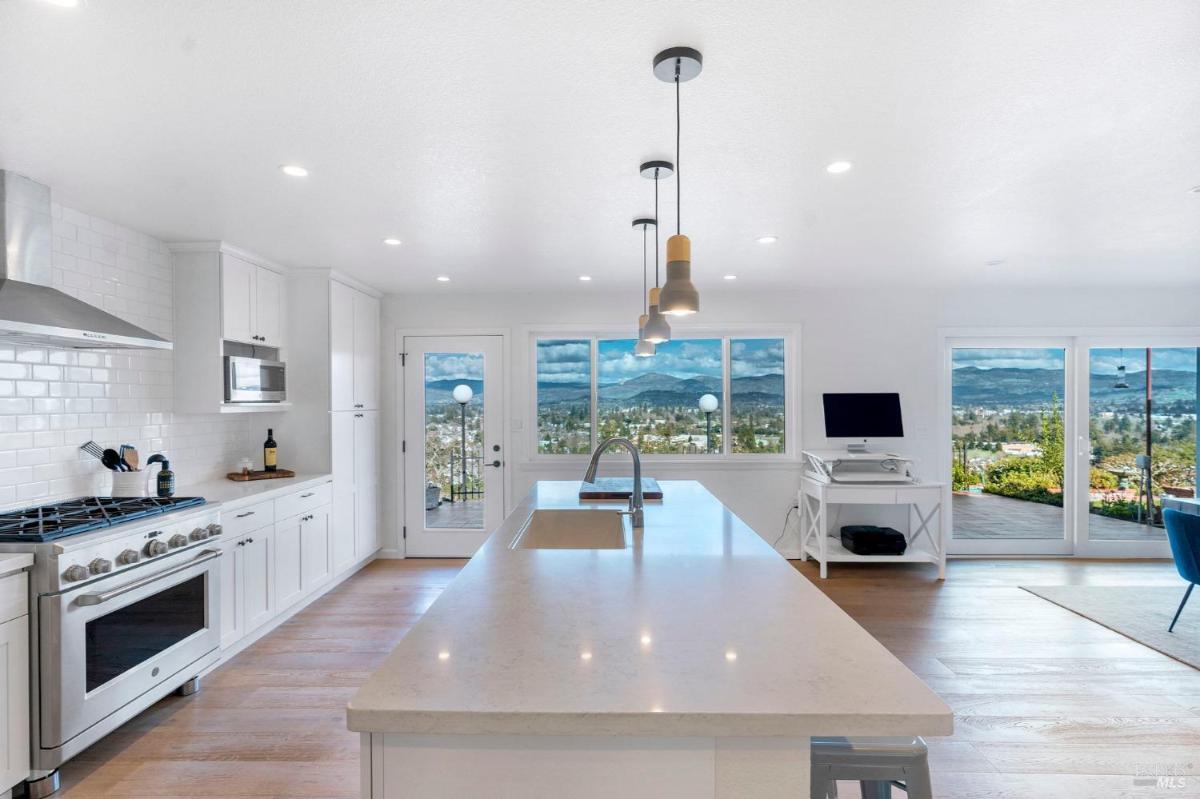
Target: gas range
{"type": "Point", "coordinates": [124, 608]}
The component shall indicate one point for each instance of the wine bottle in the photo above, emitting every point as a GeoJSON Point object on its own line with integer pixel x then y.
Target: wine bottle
{"type": "Point", "coordinates": [270, 463]}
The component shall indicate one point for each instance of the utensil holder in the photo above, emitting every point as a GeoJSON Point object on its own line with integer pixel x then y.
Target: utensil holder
{"type": "Point", "coordinates": [131, 484]}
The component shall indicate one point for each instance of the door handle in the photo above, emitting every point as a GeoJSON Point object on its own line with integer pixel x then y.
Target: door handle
{"type": "Point", "coordinates": [100, 599]}
{"type": "Point", "coordinates": [495, 464]}
{"type": "Point", "coordinates": [247, 513]}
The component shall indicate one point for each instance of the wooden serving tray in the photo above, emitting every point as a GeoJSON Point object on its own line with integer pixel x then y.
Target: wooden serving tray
{"type": "Point", "coordinates": [619, 488]}
{"type": "Point", "coordinates": [275, 475]}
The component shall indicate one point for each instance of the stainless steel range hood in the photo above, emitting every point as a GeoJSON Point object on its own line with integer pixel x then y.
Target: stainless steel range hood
{"type": "Point", "coordinates": [31, 310]}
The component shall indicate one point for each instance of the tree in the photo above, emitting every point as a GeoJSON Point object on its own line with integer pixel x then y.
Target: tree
{"type": "Point", "coordinates": [1052, 441]}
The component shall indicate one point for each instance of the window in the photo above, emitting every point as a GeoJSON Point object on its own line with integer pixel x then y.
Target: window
{"type": "Point", "coordinates": [564, 396]}
{"type": "Point", "coordinates": [757, 408]}
{"type": "Point", "coordinates": [589, 389]}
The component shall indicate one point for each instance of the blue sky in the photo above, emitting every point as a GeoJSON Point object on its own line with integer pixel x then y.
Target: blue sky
{"type": "Point", "coordinates": [1101, 360]}
{"type": "Point", "coordinates": [567, 361]}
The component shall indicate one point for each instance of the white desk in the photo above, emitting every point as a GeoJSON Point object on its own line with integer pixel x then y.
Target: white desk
{"type": "Point", "coordinates": [820, 508]}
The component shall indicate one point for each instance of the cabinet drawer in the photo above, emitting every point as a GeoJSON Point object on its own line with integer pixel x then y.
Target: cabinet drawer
{"type": "Point", "coordinates": [14, 596]}
{"type": "Point", "coordinates": [861, 496]}
{"type": "Point", "coordinates": [245, 519]}
{"type": "Point", "coordinates": [303, 501]}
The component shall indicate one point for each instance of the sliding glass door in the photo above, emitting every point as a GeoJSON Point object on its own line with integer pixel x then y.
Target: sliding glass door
{"type": "Point", "coordinates": [1140, 443]}
{"type": "Point", "coordinates": [1010, 424]}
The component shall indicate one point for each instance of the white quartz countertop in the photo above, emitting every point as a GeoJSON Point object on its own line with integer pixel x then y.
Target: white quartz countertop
{"type": "Point", "coordinates": [232, 493]}
{"type": "Point", "coordinates": [700, 628]}
{"type": "Point", "coordinates": [11, 563]}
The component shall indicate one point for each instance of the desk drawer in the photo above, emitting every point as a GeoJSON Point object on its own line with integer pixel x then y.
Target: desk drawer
{"type": "Point", "coordinates": [860, 496]}
{"type": "Point", "coordinates": [303, 501]}
{"type": "Point", "coordinates": [249, 517]}
{"type": "Point", "coordinates": [14, 596]}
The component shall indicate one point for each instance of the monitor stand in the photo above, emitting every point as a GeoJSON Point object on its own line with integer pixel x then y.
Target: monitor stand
{"type": "Point", "coordinates": [857, 447]}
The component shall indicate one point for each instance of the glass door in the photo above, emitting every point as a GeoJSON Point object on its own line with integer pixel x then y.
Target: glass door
{"type": "Point", "coordinates": [452, 443]}
{"type": "Point", "coordinates": [1010, 423]}
{"type": "Point", "coordinates": [1139, 444]}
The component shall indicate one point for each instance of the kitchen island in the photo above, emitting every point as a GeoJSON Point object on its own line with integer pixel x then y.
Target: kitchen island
{"type": "Point", "coordinates": [695, 662]}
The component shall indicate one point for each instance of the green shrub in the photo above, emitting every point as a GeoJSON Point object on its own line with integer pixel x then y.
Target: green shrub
{"type": "Point", "coordinates": [963, 477]}
{"type": "Point", "coordinates": [1023, 478]}
{"type": "Point", "coordinates": [1102, 480]}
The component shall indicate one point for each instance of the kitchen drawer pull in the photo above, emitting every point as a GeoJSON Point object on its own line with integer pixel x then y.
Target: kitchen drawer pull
{"type": "Point", "coordinates": [309, 494]}
{"type": "Point", "coordinates": [247, 513]}
{"type": "Point", "coordinates": [100, 599]}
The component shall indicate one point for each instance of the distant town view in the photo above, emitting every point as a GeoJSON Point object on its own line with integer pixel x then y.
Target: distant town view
{"type": "Point", "coordinates": [1009, 433]}
{"type": "Point", "coordinates": [444, 418]}
{"type": "Point", "coordinates": [655, 401]}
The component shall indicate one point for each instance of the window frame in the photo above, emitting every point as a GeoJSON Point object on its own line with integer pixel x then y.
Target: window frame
{"type": "Point", "coordinates": [790, 334]}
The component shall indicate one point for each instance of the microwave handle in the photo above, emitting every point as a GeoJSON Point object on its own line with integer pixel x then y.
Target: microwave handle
{"type": "Point", "coordinates": [100, 599]}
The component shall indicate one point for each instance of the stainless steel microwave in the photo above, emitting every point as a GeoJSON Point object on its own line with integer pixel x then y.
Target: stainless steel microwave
{"type": "Point", "coordinates": [254, 380]}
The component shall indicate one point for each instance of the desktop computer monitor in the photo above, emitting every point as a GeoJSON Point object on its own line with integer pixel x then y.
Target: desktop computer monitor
{"type": "Point", "coordinates": [862, 416]}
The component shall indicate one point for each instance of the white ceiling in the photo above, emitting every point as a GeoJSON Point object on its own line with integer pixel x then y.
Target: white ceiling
{"type": "Point", "coordinates": [500, 140]}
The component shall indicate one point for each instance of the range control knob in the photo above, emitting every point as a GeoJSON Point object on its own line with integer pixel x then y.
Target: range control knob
{"type": "Point", "coordinates": [100, 566]}
{"type": "Point", "coordinates": [128, 556]}
{"type": "Point", "coordinates": [177, 540]}
{"type": "Point", "coordinates": [199, 534]}
{"type": "Point", "coordinates": [155, 548]}
{"type": "Point", "coordinates": [215, 529]}
{"type": "Point", "coordinates": [75, 573]}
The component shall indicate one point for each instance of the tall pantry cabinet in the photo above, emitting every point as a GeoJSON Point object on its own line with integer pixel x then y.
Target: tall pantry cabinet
{"type": "Point", "coordinates": [335, 376]}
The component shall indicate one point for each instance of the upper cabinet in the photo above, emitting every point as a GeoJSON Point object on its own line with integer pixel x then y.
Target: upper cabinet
{"type": "Point", "coordinates": [251, 302]}
{"type": "Point", "coordinates": [353, 349]}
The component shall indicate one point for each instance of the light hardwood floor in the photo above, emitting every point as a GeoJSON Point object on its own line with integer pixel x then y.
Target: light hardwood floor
{"type": "Point", "coordinates": [1048, 704]}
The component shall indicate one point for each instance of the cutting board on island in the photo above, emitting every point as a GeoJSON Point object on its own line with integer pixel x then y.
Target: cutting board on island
{"type": "Point", "coordinates": [619, 488]}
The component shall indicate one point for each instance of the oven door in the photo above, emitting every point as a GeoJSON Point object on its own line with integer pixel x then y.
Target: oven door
{"type": "Point", "coordinates": [254, 380]}
{"type": "Point", "coordinates": [104, 645]}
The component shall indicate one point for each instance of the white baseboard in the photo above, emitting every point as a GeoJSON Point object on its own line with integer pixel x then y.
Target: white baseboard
{"type": "Point", "coordinates": [391, 554]}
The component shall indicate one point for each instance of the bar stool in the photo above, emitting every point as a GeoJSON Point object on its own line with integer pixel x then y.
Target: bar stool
{"type": "Point", "coordinates": [877, 764]}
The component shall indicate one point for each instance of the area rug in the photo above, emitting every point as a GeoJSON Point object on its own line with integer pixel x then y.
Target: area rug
{"type": "Point", "coordinates": [1141, 613]}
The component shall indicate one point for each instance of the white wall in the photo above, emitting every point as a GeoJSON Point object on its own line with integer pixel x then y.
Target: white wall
{"type": "Point", "coordinates": [52, 400]}
{"type": "Point", "coordinates": [851, 340]}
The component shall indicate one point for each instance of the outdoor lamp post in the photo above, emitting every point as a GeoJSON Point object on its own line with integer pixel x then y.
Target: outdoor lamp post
{"type": "Point", "coordinates": [708, 404]}
{"type": "Point", "coordinates": [462, 395]}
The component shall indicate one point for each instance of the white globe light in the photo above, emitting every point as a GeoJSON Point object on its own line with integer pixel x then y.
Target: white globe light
{"type": "Point", "coordinates": [708, 403]}
{"type": "Point", "coordinates": [463, 394]}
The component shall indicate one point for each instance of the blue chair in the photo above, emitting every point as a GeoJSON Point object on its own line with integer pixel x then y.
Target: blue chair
{"type": "Point", "coordinates": [1183, 531]}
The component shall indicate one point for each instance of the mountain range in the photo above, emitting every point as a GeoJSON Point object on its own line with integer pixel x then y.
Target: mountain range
{"type": "Point", "coordinates": [1031, 388]}
{"type": "Point", "coordinates": [658, 389]}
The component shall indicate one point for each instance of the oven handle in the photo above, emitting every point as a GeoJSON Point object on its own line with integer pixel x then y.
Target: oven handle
{"type": "Point", "coordinates": [100, 599]}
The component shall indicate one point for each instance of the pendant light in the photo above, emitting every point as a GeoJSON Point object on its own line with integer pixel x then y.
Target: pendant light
{"type": "Point", "coordinates": [643, 348]}
{"type": "Point", "coordinates": [657, 330]}
{"type": "Point", "coordinates": [678, 297]}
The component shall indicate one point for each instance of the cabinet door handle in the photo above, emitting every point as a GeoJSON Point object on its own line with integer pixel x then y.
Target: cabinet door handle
{"type": "Point", "coordinates": [306, 496]}
{"type": "Point", "coordinates": [247, 513]}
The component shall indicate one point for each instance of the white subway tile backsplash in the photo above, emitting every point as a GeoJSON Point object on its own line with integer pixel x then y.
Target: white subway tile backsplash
{"type": "Point", "coordinates": [53, 400]}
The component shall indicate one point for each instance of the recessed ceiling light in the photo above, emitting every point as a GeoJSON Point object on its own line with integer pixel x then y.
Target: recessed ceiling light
{"type": "Point", "coordinates": [443, 278]}
{"type": "Point", "coordinates": [731, 277]}
{"type": "Point", "coordinates": [585, 278]}
{"type": "Point", "coordinates": [443, 655]}
{"type": "Point", "coordinates": [1194, 190]}
{"type": "Point", "coordinates": [994, 262]}
{"type": "Point", "coordinates": [767, 239]}
{"type": "Point", "coordinates": [392, 242]}
{"type": "Point", "coordinates": [731, 655]}
{"type": "Point", "coordinates": [838, 167]}
{"type": "Point", "coordinates": [294, 170]}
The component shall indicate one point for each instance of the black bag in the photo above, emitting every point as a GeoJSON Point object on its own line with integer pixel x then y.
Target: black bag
{"type": "Point", "coordinates": [867, 539]}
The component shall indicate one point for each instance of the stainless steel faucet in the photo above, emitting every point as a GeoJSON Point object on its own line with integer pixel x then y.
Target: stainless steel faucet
{"type": "Point", "coordinates": [635, 499]}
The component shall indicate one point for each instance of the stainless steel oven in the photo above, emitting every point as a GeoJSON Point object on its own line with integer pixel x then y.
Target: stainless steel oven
{"type": "Point", "coordinates": [109, 648]}
{"type": "Point", "coordinates": [254, 380]}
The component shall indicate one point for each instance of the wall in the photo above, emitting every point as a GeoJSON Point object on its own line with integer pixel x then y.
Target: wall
{"type": "Point", "coordinates": [851, 340]}
{"type": "Point", "coordinates": [52, 400]}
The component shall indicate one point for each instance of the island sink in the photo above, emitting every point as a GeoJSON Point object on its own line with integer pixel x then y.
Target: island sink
{"type": "Point", "coordinates": [573, 528]}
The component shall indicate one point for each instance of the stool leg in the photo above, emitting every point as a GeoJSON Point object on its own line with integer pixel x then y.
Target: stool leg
{"type": "Point", "coordinates": [1186, 594]}
{"type": "Point", "coordinates": [876, 789]}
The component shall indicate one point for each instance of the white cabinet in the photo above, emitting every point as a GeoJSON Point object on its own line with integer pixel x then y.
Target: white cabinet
{"type": "Point", "coordinates": [247, 584]}
{"type": "Point", "coordinates": [14, 682]}
{"type": "Point", "coordinates": [316, 557]}
{"type": "Point", "coordinates": [353, 349]}
{"type": "Point", "coordinates": [343, 514]}
{"type": "Point", "coordinates": [355, 513]}
{"type": "Point", "coordinates": [251, 302]}
{"type": "Point", "coordinates": [289, 563]}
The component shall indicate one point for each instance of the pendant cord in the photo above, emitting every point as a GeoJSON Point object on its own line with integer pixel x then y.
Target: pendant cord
{"type": "Point", "coordinates": [678, 191]}
{"type": "Point", "coordinates": [655, 227]}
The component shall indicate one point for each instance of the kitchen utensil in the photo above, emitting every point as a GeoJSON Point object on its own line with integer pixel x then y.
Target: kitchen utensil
{"type": "Point", "coordinates": [93, 449]}
{"type": "Point", "coordinates": [129, 454]}
{"type": "Point", "coordinates": [112, 460]}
